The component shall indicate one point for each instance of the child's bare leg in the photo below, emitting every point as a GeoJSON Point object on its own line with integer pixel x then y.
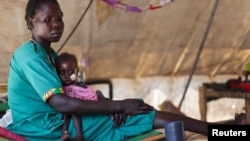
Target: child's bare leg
{"type": "Point", "coordinates": [78, 126]}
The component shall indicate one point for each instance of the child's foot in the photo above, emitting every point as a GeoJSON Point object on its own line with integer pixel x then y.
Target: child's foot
{"type": "Point", "coordinates": [78, 138]}
{"type": "Point", "coordinates": [65, 136]}
{"type": "Point", "coordinates": [240, 118]}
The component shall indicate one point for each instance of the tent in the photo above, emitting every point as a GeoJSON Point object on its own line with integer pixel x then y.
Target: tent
{"type": "Point", "coordinates": [158, 52]}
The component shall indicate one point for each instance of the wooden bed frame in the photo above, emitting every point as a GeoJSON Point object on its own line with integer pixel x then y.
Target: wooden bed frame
{"type": "Point", "coordinates": [205, 93]}
{"type": "Point", "coordinates": [3, 88]}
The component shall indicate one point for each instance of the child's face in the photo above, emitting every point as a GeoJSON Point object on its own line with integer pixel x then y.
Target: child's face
{"type": "Point", "coordinates": [65, 70]}
{"type": "Point", "coordinates": [47, 24]}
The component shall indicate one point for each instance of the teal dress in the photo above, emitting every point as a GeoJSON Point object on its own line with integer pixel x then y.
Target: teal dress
{"type": "Point", "coordinates": [32, 81]}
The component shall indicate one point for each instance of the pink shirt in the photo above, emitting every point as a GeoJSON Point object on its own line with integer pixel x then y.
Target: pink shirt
{"type": "Point", "coordinates": [80, 92]}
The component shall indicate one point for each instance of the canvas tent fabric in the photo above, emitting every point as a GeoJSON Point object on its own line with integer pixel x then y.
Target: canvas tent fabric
{"type": "Point", "coordinates": [159, 42]}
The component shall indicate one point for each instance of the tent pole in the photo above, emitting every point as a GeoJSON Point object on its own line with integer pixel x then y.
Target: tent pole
{"type": "Point", "coordinates": [199, 51]}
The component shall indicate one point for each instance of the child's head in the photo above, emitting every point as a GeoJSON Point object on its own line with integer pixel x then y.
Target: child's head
{"type": "Point", "coordinates": [44, 20]}
{"type": "Point", "coordinates": [66, 65]}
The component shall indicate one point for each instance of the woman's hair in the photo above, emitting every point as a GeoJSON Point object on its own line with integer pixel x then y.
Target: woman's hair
{"type": "Point", "coordinates": [65, 57]}
{"type": "Point", "coordinates": [33, 5]}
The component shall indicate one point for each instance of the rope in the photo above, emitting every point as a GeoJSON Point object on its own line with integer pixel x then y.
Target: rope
{"type": "Point", "coordinates": [199, 51]}
{"type": "Point", "coordinates": [79, 21]}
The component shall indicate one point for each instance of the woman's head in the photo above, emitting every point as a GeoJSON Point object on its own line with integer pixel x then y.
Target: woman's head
{"type": "Point", "coordinates": [66, 65]}
{"type": "Point", "coordinates": [44, 20]}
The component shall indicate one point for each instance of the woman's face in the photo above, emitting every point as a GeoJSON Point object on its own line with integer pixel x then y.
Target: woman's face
{"type": "Point", "coordinates": [47, 24]}
{"type": "Point", "coordinates": [65, 70]}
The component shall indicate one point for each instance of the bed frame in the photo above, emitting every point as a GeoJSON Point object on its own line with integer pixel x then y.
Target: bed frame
{"type": "Point", "coordinates": [208, 93]}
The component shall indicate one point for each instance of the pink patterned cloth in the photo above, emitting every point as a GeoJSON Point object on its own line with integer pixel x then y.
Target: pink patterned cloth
{"type": "Point", "coordinates": [5, 133]}
{"type": "Point", "coordinates": [80, 92]}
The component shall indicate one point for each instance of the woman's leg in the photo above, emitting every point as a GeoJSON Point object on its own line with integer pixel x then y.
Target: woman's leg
{"type": "Point", "coordinates": [190, 124]}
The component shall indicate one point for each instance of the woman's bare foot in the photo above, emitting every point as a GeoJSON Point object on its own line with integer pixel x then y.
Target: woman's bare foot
{"type": "Point", "coordinates": [240, 118]}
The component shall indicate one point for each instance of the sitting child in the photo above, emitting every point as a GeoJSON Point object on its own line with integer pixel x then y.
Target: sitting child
{"type": "Point", "coordinates": [74, 86]}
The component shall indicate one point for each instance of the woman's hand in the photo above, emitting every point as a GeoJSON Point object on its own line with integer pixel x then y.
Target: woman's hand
{"type": "Point", "coordinates": [136, 106]}
{"type": "Point", "coordinates": [118, 118]}
{"type": "Point", "coordinates": [131, 106]}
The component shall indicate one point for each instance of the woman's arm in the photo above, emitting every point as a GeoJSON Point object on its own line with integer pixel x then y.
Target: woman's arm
{"type": "Point", "coordinates": [68, 105]}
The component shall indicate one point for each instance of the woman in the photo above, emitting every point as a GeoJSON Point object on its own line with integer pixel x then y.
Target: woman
{"type": "Point", "coordinates": [37, 100]}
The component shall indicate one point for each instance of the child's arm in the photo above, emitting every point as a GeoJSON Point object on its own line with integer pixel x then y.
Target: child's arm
{"type": "Point", "coordinates": [100, 95]}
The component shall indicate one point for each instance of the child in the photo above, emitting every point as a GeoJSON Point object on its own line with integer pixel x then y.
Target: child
{"type": "Point", "coordinates": [67, 70]}
{"type": "Point", "coordinates": [74, 86]}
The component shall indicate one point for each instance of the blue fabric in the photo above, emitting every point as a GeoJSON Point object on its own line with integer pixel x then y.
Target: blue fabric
{"type": "Point", "coordinates": [100, 127]}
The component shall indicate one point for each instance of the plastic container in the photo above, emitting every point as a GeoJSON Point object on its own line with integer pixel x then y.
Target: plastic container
{"type": "Point", "coordinates": [174, 131]}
